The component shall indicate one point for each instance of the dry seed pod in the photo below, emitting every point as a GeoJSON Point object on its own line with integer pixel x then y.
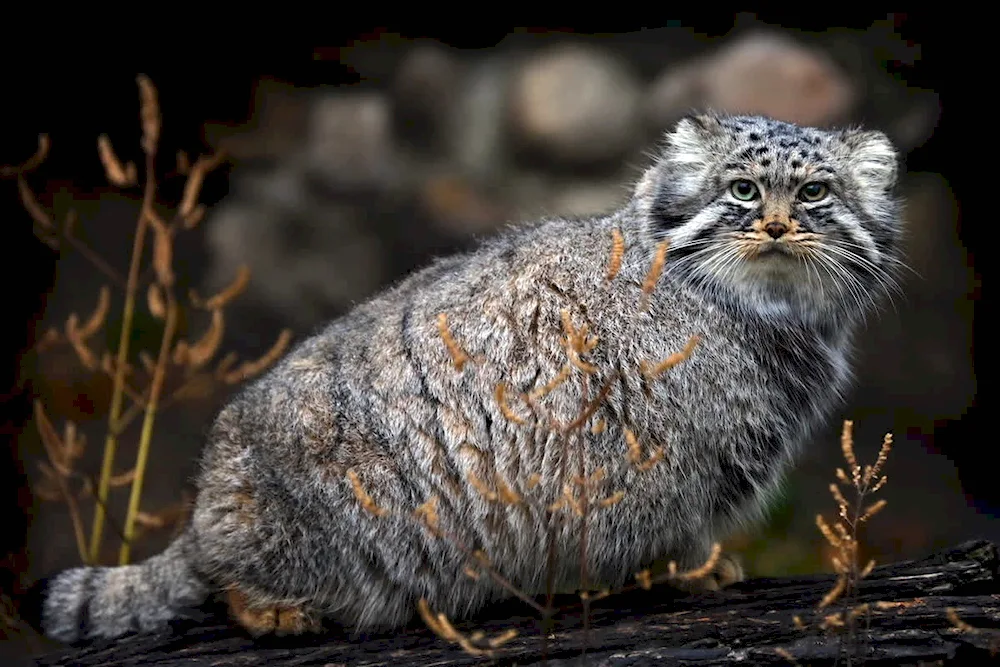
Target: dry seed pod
{"type": "Point", "coordinates": [225, 364]}
{"type": "Point", "coordinates": [180, 354]}
{"type": "Point", "coordinates": [653, 276]}
{"type": "Point", "coordinates": [196, 177]}
{"type": "Point", "coordinates": [120, 175]}
{"type": "Point", "coordinates": [156, 302]}
{"type": "Point", "coordinates": [227, 294]}
{"type": "Point", "coordinates": [163, 252]}
{"type": "Point", "coordinates": [107, 363]}
{"type": "Point", "coordinates": [122, 479]}
{"type": "Point", "coordinates": [617, 252]}
{"type": "Point", "coordinates": [32, 162]}
{"type": "Point", "coordinates": [183, 163]}
{"type": "Point", "coordinates": [86, 356]}
{"type": "Point", "coordinates": [32, 206]}
{"type": "Point", "coordinates": [96, 319]}
{"type": "Point", "coordinates": [192, 219]}
{"type": "Point", "coordinates": [149, 114]}
{"type": "Point", "coordinates": [205, 348]}
{"type": "Point", "coordinates": [249, 369]}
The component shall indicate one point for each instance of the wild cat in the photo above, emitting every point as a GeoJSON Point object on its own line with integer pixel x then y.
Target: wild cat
{"type": "Point", "coordinates": [781, 240]}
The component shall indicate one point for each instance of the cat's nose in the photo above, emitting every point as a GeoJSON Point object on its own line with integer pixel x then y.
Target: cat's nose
{"type": "Point", "coordinates": [776, 229]}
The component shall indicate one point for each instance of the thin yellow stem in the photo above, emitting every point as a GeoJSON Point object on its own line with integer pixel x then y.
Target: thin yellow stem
{"type": "Point", "coordinates": [147, 428]}
{"type": "Point", "coordinates": [118, 386]}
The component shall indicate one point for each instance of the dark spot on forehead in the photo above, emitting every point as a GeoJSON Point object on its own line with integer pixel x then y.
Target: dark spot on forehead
{"type": "Point", "coordinates": [766, 162]}
{"type": "Point", "coordinates": [796, 164]}
{"type": "Point", "coordinates": [761, 150]}
{"type": "Point", "coordinates": [754, 136]}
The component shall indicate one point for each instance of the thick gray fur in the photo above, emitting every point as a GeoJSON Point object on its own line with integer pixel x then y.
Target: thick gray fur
{"type": "Point", "coordinates": [376, 392]}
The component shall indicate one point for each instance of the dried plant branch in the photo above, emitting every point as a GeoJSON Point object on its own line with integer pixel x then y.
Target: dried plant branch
{"type": "Point", "coordinates": [249, 369]}
{"type": "Point", "coordinates": [227, 294]}
{"type": "Point", "coordinates": [189, 210]}
{"type": "Point", "coordinates": [32, 163]}
{"type": "Point", "coordinates": [59, 453]}
{"type": "Point", "coordinates": [459, 357]}
{"type": "Point", "coordinates": [617, 252]}
{"type": "Point", "coordinates": [653, 275]}
{"type": "Point", "coordinates": [367, 502]}
{"type": "Point", "coordinates": [146, 437]}
{"type": "Point", "coordinates": [149, 114]}
{"type": "Point", "coordinates": [122, 176]}
{"type": "Point", "coordinates": [653, 371]}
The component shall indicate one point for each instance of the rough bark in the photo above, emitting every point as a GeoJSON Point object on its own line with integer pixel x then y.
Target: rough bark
{"type": "Point", "coordinates": [749, 623]}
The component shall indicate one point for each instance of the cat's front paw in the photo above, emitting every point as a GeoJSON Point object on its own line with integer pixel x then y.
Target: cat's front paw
{"type": "Point", "coordinates": [276, 619]}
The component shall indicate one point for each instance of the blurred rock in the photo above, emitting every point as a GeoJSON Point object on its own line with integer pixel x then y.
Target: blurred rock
{"type": "Point", "coordinates": [276, 127]}
{"type": "Point", "coordinates": [350, 142]}
{"type": "Point", "coordinates": [458, 208]}
{"type": "Point", "coordinates": [762, 73]}
{"type": "Point", "coordinates": [575, 105]}
{"type": "Point", "coordinates": [589, 198]}
{"type": "Point", "coordinates": [477, 143]}
{"type": "Point", "coordinates": [424, 94]}
{"type": "Point", "coordinates": [309, 254]}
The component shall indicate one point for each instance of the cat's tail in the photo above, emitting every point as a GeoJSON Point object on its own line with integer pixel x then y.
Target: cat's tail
{"type": "Point", "coordinates": [105, 602]}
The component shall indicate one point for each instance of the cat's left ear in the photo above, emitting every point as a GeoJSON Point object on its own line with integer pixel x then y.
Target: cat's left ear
{"type": "Point", "coordinates": [873, 160]}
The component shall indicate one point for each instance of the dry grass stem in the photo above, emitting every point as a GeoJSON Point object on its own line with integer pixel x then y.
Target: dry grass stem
{"type": "Point", "coordinates": [162, 304]}
{"type": "Point", "coordinates": [458, 355]}
{"type": "Point", "coordinates": [227, 294]}
{"type": "Point", "coordinates": [366, 500]}
{"type": "Point", "coordinates": [955, 620]}
{"type": "Point", "coordinates": [706, 568]}
{"type": "Point", "coordinates": [249, 369]}
{"type": "Point", "coordinates": [508, 413]}
{"type": "Point", "coordinates": [427, 514]}
{"type": "Point", "coordinates": [442, 627]}
{"type": "Point", "coordinates": [653, 275]}
{"type": "Point", "coordinates": [653, 371]}
{"type": "Point", "coordinates": [617, 252]}
{"type": "Point", "coordinates": [552, 385]}
{"type": "Point", "coordinates": [119, 175]}
{"type": "Point", "coordinates": [32, 163]}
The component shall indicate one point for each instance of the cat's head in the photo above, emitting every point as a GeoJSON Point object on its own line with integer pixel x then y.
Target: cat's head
{"type": "Point", "coordinates": [785, 220]}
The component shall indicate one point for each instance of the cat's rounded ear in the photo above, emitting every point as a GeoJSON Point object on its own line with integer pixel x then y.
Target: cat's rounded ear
{"type": "Point", "coordinates": [688, 140]}
{"type": "Point", "coordinates": [872, 159]}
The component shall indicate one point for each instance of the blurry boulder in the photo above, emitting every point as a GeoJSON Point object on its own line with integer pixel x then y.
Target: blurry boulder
{"type": "Point", "coordinates": [309, 255]}
{"type": "Point", "coordinates": [575, 105]}
{"type": "Point", "coordinates": [424, 94]}
{"type": "Point", "coordinates": [762, 73]}
{"type": "Point", "coordinates": [477, 144]}
{"type": "Point", "coordinates": [350, 142]}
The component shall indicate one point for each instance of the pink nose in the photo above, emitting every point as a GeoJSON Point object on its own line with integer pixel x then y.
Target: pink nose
{"type": "Point", "coordinates": [776, 229]}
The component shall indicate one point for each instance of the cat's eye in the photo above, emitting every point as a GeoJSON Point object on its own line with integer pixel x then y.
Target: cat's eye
{"type": "Point", "coordinates": [813, 191]}
{"type": "Point", "coordinates": [744, 190]}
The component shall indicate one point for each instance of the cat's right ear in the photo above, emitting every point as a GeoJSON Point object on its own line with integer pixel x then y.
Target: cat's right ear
{"type": "Point", "coordinates": [689, 140]}
{"type": "Point", "coordinates": [679, 172]}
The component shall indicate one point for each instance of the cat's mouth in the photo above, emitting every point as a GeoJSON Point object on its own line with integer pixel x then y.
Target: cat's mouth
{"type": "Point", "coordinates": [774, 248]}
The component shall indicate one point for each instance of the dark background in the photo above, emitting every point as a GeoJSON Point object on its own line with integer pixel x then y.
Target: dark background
{"type": "Point", "coordinates": [83, 91]}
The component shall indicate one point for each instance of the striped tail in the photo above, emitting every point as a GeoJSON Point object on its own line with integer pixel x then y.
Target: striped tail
{"type": "Point", "coordinates": [105, 602]}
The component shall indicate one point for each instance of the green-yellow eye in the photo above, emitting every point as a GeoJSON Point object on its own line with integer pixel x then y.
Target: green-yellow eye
{"type": "Point", "coordinates": [813, 191]}
{"type": "Point", "coordinates": [744, 190]}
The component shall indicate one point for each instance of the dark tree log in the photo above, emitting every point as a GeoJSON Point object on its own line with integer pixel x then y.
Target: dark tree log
{"type": "Point", "coordinates": [751, 623]}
